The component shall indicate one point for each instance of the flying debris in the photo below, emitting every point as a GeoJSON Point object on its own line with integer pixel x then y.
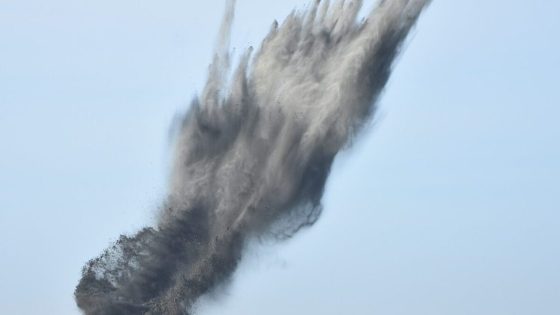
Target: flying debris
{"type": "Point", "coordinates": [253, 154]}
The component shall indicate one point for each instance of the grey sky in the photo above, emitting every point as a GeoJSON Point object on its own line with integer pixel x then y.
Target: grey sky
{"type": "Point", "coordinates": [449, 205]}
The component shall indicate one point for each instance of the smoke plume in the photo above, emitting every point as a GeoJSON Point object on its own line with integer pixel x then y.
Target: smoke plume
{"type": "Point", "coordinates": [253, 153]}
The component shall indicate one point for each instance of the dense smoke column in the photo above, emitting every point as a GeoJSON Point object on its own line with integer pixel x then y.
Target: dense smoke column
{"type": "Point", "coordinates": [253, 154]}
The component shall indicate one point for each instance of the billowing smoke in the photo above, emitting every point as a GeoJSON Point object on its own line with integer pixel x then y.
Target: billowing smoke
{"type": "Point", "coordinates": [253, 153]}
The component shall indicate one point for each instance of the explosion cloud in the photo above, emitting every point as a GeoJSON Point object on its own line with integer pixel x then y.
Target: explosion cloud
{"type": "Point", "coordinates": [253, 153]}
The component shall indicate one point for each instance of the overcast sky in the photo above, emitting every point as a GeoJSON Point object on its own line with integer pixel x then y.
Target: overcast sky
{"type": "Point", "coordinates": [448, 205]}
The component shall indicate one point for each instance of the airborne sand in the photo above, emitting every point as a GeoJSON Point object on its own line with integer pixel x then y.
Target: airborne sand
{"type": "Point", "coordinates": [253, 153]}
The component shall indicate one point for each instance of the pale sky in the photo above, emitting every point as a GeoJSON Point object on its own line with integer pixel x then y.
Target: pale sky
{"type": "Point", "coordinates": [450, 204]}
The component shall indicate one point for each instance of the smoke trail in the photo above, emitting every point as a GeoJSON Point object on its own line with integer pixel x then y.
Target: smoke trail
{"type": "Point", "coordinates": [253, 154]}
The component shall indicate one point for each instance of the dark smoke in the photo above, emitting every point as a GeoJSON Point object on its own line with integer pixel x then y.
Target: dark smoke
{"type": "Point", "coordinates": [253, 154]}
